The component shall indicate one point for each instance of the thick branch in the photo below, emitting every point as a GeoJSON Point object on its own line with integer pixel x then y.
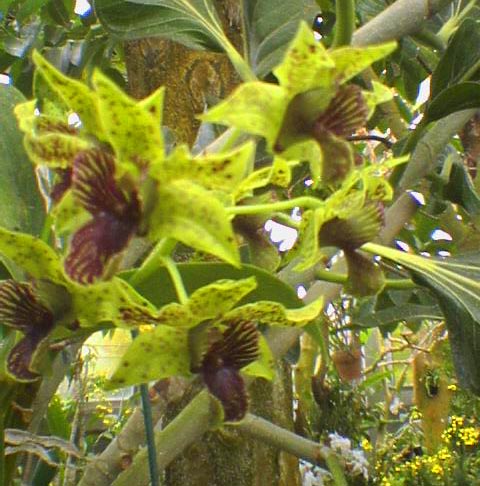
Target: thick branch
{"type": "Point", "coordinates": [109, 464]}
{"type": "Point", "coordinates": [402, 18]}
{"type": "Point", "coordinates": [261, 429]}
{"type": "Point", "coordinates": [187, 427]}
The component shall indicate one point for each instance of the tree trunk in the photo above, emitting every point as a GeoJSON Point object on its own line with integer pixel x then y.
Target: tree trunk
{"type": "Point", "coordinates": [225, 457]}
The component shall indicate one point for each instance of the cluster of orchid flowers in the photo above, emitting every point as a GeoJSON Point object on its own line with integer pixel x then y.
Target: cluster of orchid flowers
{"type": "Point", "coordinates": [114, 181]}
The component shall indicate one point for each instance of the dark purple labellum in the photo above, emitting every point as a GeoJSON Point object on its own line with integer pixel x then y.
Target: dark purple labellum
{"type": "Point", "coordinates": [362, 226]}
{"type": "Point", "coordinates": [21, 310]}
{"type": "Point", "coordinates": [227, 385]}
{"type": "Point", "coordinates": [220, 367]}
{"type": "Point", "coordinates": [346, 113]}
{"type": "Point", "coordinates": [116, 216]}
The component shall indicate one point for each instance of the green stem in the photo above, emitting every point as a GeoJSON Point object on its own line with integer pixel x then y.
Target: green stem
{"type": "Point", "coordinates": [345, 24]}
{"type": "Point", "coordinates": [336, 470]}
{"type": "Point", "coordinates": [187, 427]}
{"type": "Point", "coordinates": [153, 261]}
{"type": "Point", "coordinates": [2, 448]}
{"type": "Point", "coordinates": [176, 280]}
{"type": "Point", "coordinates": [429, 39]}
{"type": "Point", "coordinates": [303, 201]}
{"type": "Point", "coordinates": [390, 283]}
{"type": "Point", "coordinates": [149, 432]}
{"type": "Point", "coordinates": [46, 230]}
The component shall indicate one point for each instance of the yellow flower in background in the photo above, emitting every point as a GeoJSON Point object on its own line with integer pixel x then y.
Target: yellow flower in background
{"type": "Point", "coordinates": [366, 445]}
{"type": "Point", "coordinates": [452, 387]}
{"type": "Point", "coordinates": [469, 435]}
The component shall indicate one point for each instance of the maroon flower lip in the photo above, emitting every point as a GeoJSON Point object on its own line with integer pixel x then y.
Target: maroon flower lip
{"type": "Point", "coordinates": [20, 309]}
{"type": "Point", "coordinates": [115, 214]}
{"type": "Point", "coordinates": [237, 347]}
{"type": "Point", "coordinates": [346, 113]}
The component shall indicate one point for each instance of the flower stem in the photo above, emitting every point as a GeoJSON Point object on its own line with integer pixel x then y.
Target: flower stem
{"type": "Point", "coordinates": [340, 278]}
{"type": "Point", "coordinates": [2, 448]}
{"type": "Point", "coordinates": [149, 430]}
{"type": "Point", "coordinates": [176, 280]}
{"type": "Point", "coordinates": [345, 24]}
{"type": "Point", "coordinates": [154, 259]}
{"type": "Point", "coordinates": [303, 201]}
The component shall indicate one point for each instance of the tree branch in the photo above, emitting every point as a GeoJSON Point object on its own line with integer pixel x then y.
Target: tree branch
{"type": "Point", "coordinates": [271, 434]}
{"type": "Point", "coordinates": [187, 427]}
{"type": "Point", "coordinates": [404, 17]}
{"type": "Point", "coordinates": [112, 461]}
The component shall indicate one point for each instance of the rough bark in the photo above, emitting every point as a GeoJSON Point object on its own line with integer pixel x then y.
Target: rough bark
{"type": "Point", "coordinates": [193, 79]}
{"type": "Point", "coordinates": [228, 457]}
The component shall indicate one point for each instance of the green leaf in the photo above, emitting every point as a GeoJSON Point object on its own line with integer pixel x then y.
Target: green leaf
{"type": "Point", "coordinates": [22, 440]}
{"type": "Point", "coordinates": [153, 355]}
{"type": "Point", "coordinates": [77, 95]}
{"type": "Point", "coordinates": [33, 255]}
{"type": "Point", "coordinates": [21, 206]}
{"type": "Point", "coordinates": [198, 275]}
{"type": "Point", "coordinates": [406, 312]}
{"type": "Point", "coordinates": [124, 121]}
{"type": "Point", "coordinates": [461, 96]}
{"type": "Point", "coordinates": [460, 188]}
{"type": "Point", "coordinates": [462, 55]}
{"type": "Point", "coordinates": [194, 23]}
{"type": "Point", "coordinates": [254, 107]}
{"type": "Point", "coordinates": [192, 215]}
{"type": "Point", "coordinates": [271, 25]}
{"type": "Point", "coordinates": [455, 283]}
